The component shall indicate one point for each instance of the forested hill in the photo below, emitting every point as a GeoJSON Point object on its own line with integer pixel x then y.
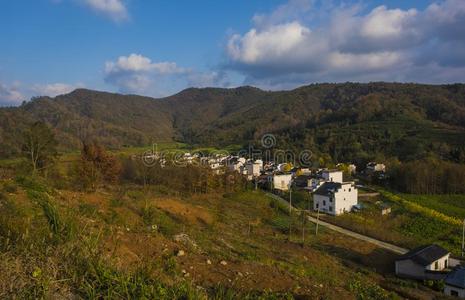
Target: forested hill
{"type": "Point", "coordinates": [346, 121]}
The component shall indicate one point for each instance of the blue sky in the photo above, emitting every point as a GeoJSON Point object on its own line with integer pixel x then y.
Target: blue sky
{"type": "Point", "coordinates": [157, 48]}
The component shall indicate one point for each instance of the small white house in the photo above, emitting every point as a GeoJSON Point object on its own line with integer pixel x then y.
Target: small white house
{"type": "Point", "coordinates": [332, 175]}
{"type": "Point", "coordinates": [282, 181]}
{"type": "Point", "coordinates": [253, 168]}
{"type": "Point", "coordinates": [454, 284]}
{"type": "Point", "coordinates": [352, 169]}
{"type": "Point", "coordinates": [426, 262]}
{"type": "Point", "coordinates": [260, 163]}
{"type": "Point", "coordinates": [235, 165]}
{"type": "Point", "coordinates": [375, 167]}
{"type": "Point", "coordinates": [335, 198]}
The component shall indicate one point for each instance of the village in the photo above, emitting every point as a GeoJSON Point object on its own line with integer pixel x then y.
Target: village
{"type": "Point", "coordinates": [332, 194]}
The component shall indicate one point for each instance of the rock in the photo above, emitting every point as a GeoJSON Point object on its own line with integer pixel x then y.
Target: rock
{"type": "Point", "coordinates": [185, 239]}
{"type": "Point", "coordinates": [240, 274]}
{"type": "Point", "coordinates": [209, 262]}
{"type": "Point", "coordinates": [180, 253]}
{"type": "Point", "coordinates": [224, 263]}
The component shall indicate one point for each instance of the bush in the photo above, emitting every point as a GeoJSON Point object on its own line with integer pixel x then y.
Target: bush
{"type": "Point", "coordinates": [10, 187]}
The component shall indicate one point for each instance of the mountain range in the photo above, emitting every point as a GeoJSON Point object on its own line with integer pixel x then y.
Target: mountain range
{"type": "Point", "coordinates": [346, 121]}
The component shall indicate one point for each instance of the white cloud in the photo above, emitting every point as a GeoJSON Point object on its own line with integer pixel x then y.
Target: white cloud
{"type": "Point", "coordinates": [138, 74]}
{"type": "Point", "coordinates": [350, 43]}
{"type": "Point", "coordinates": [54, 89]}
{"type": "Point", "coordinates": [275, 42]}
{"type": "Point", "coordinates": [114, 9]}
{"type": "Point", "coordinates": [10, 95]}
{"type": "Point", "coordinates": [139, 63]}
{"type": "Point", "coordinates": [386, 23]}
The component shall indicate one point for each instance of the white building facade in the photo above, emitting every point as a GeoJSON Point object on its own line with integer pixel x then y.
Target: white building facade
{"type": "Point", "coordinates": [332, 175]}
{"type": "Point", "coordinates": [282, 181]}
{"type": "Point", "coordinates": [335, 198]}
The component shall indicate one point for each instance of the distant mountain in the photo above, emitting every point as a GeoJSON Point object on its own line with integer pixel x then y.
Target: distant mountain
{"type": "Point", "coordinates": [344, 120]}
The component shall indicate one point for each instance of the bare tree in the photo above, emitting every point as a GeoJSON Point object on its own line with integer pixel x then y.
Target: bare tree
{"type": "Point", "coordinates": [39, 146]}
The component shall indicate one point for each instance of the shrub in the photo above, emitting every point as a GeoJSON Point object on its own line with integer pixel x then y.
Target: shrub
{"type": "Point", "coordinates": [10, 187]}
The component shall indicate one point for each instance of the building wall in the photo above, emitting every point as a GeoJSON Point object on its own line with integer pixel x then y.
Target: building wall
{"type": "Point", "coordinates": [323, 204]}
{"type": "Point", "coordinates": [441, 264]}
{"type": "Point", "coordinates": [448, 291]}
{"type": "Point", "coordinates": [407, 268]}
{"type": "Point", "coordinates": [281, 182]}
{"type": "Point", "coordinates": [253, 169]}
{"type": "Point", "coordinates": [345, 198]}
{"type": "Point", "coordinates": [333, 176]}
{"type": "Point", "coordinates": [340, 202]}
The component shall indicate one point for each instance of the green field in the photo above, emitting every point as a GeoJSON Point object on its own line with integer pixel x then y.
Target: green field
{"type": "Point", "coordinates": [451, 205]}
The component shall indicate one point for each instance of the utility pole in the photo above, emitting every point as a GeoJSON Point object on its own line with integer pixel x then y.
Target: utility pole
{"type": "Point", "coordinates": [317, 220]}
{"type": "Point", "coordinates": [290, 209]}
{"type": "Point", "coordinates": [303, 226]}
{"type": "Point", "coordinates": [463, 236]}
{"type": "Point", "coordinates": [290, 198]}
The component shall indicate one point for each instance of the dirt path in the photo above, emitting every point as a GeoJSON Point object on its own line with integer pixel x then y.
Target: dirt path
{"type": "Point", "coordinates": [365, 238]}
{"type": "Point", "coordinates": [381, 244]}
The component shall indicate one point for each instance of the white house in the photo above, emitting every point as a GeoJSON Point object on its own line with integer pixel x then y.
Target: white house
{"type": "Point", "coordinates": [332, 175]}
{"type": "Point", "coordinates": [335, 198]}
{"type": "Point", "coordinates": [352, 169]}
{"type": "Point", "coordinates": [426, 262]}
{"type": "Point", "coordinates": [235, 165]}
{"type": "Point", "coordinates": [253, 168]}
{"type": "Point", "coordinates": [282, 181]}
{"type": "Point", "coordinates": [454, 284]}
{"type": "Point", "coordinates": [375, 167]}
{"type": "Point", "coordinates": [260, 163]}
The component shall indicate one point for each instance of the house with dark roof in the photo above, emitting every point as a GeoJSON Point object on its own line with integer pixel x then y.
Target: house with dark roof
{"type": "Point", "coordinates": [454, 284]}
{"type": "Point", "coordinates": [425, 262]}
{"type": "Point", "coordinates": [335, 198]}
{"type": "Point", "coordinates": [332, 175]}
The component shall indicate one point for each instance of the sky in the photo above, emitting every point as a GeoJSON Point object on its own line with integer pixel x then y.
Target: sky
{"type": "Point", "coordinates": [159, 47]}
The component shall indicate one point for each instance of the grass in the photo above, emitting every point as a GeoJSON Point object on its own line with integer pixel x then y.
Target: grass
{"type": "Point", "coordinates": [86, 245]}
{"type": "Point", "coordinates": [414, 220]}
{"type": "Point", "coordinates": [451, 205]}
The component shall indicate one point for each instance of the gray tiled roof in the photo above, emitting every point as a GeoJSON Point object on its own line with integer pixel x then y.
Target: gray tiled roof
{"type": "Point", "coordinates": [328, 188]}
{"type": "Point", "coordinates": [425, 255]}
{"type": "Point", "coordinates": [456, 278]}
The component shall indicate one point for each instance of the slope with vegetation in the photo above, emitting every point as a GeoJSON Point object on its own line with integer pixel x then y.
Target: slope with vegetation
{"type": "Point", "coordinates": [347, 121]}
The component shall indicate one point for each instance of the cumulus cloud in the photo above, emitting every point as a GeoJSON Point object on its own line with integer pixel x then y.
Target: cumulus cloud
{"type": "Point", "coordinates": [53, 89]}
{"type": "Point", "coordinates": [138, 74]}
{"type": "Point", "coordinates": [10, 95]}
{"type": "Point", "coordinates": [114, 9]}
{"type": "Point", "coordinates": [351, 44]}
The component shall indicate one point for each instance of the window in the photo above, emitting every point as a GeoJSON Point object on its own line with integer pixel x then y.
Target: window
{"type": "Point", "coordinates": [446, 263]}
{"type": "Point", "coordinates": [330, 208]}
{"type": "Point", "coordinates": [324, 203]}
{"type": "Point", "coordinates": [454, 293]}
{"type": "Point", "coordinates": [317, 205]}
{"type": "Point", "coordinates": [436, 265]}
{"type": "Point", "coordinates": [350, 190]}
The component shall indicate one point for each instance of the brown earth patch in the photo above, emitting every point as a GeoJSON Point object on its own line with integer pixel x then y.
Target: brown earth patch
{"type": "Point", "coordinates": [194, 214]}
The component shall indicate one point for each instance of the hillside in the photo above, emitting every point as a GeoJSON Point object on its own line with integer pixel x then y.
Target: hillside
{"type": "Point", "coordinates": [125, 242]}
{"type": "Point", "coordinates": [348, 121]}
